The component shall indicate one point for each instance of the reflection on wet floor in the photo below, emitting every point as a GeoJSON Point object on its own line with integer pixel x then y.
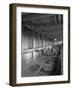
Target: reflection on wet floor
{"type": "Point", "coordinates": [43, 62]}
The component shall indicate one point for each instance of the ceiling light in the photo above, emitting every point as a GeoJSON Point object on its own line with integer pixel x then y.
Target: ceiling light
{"type": "Point", "coordinates": [55, 39]}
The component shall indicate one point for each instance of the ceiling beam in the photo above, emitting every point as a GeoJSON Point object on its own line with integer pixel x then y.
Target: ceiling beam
{"type": "Point", "coordinates": [51, 28]}
{"type": "Point", "coordinates": [38, 17]}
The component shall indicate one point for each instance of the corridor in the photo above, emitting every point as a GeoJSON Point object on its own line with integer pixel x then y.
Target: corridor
{"type": "Point", "coordinates": [42, 44]}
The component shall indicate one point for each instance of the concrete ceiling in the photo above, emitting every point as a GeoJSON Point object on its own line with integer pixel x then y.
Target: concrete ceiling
{"type": "Point", "coordinates": [49, 24]}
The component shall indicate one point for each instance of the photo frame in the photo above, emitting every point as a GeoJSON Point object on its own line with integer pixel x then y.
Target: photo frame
{"type": "Point", "coordinates": [39, 44]}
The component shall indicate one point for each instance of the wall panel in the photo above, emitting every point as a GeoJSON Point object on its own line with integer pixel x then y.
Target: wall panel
{"type": "Point", "coordinates": [35, 40]}
{"type": "Point", "coordinates": [27, 39]}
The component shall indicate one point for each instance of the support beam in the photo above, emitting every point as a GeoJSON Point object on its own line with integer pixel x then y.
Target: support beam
{"type": "Point", "coordinates": [55, 19]}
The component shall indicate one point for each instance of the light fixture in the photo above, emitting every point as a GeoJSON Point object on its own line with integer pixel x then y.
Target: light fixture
{"type": "Point", "coordinates": [55, 39]}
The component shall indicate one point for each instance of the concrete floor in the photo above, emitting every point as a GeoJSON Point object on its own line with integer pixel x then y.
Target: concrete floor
{"type": "Point", "coordinates": [41, 65]}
